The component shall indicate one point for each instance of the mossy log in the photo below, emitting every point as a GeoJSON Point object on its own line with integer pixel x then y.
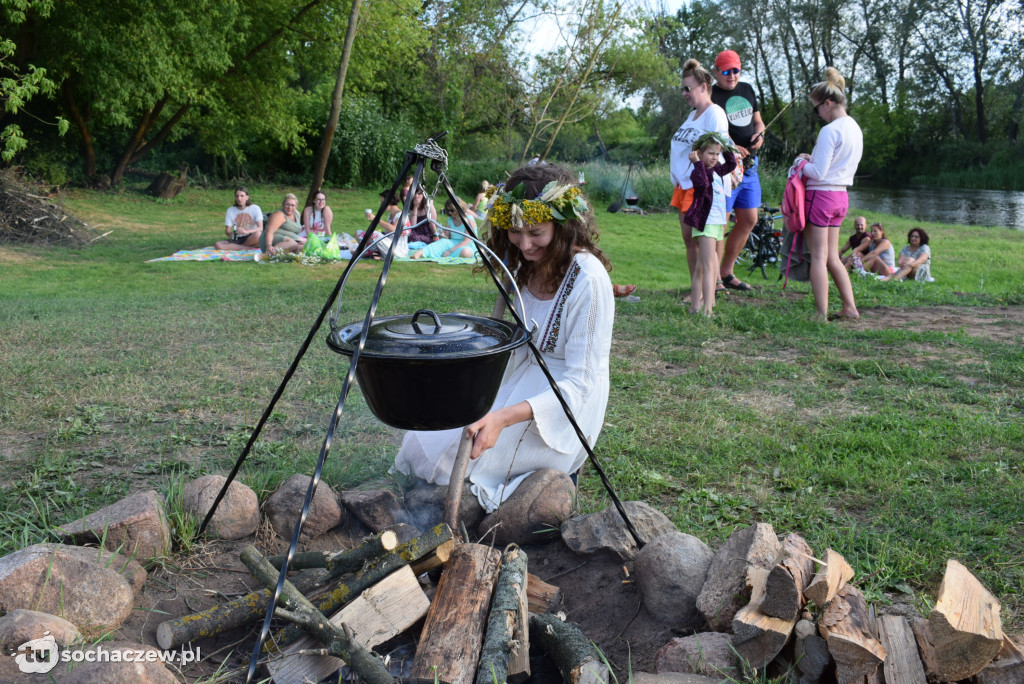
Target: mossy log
{"type": "Point", "coordinates": [342, 562]}
{"type": "Point", "coordinates": [226, 616]}
{"type": "Point", "coordinates": [499, 639]}
{"type": "Point", "coordinates": [564, 642]}
{"type": "Point", "coordinates": [338, 639]}
{"type": "Point", "coordinates": [373, 572]}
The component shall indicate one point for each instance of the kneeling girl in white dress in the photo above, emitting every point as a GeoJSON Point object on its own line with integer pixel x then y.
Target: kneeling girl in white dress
{"type": "Point", "coordinates": [541, 222]}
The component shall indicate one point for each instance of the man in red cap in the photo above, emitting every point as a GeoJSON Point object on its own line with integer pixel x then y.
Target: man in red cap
{"type": "Point", "coordinates": [746, 130]}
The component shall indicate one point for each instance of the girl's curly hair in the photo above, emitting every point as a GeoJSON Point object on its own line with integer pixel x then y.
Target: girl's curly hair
{"type": "Point", "coordinates": [569, 237]}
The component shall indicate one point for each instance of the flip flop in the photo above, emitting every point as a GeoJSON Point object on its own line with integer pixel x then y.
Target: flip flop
{"type": "Point", "coordinates": [841, 317]}
{"type": "Point", "coordinates": [734, 283]}
{"type": "Point", "coordinates": [623, 290]}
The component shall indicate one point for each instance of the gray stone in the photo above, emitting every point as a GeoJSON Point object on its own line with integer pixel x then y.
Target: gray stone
{"type": "Point", "coordinates": [706, 653]}
{"type": "Point", "coordinates": [727, 589]}
{"type": "Point", "coordinates": [136, 526]}
{"type": "Point", "coordinates": [670, 573]}
{"type": "Point", "coordinates": [673, 678]}
{"type": "Point", "coordinates": [23, 625]}
{"type": "Point", "coordinates": [129, 568]}
{"type": "Point", "coordinates": [607, 531]}
{"type": "Point", "coordinates": [534, 512]}
{"type": "Point", "coordinates": [285, 505]}
{"type": "Point", "coordinates": [426, 502]}
{"type": "Point", "coordinates": [238, 513]}
{"type": "Point", "coordinates": [107, 670]}
{"type": "Point", "coordinates": [57, 579]}
{"type": "Point", "coordinates": [378, 509]}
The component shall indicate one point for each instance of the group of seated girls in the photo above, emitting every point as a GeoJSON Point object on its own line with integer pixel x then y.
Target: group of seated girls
{"type": "Point", "coordinates": [424, 237]}
{"type": "Point", "coordinates": [873, 252]}
{"type": "Point", "coordinates": [284, 230]}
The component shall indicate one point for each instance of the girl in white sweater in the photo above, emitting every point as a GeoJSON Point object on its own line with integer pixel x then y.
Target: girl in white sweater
{"type": "Point", "coordinates": [829, 171]}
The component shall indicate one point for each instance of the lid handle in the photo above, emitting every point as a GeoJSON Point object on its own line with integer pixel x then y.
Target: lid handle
{"type": "Point", "coordinates": [437, 321]}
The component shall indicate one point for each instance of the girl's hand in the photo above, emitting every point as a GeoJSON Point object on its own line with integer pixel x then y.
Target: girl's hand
{"type": "Point", "coordinates": [484, 433]}
{"type": "Point", "coordinates": [694, 157]}
{"type": "Point", "coordinates": [804, 156]}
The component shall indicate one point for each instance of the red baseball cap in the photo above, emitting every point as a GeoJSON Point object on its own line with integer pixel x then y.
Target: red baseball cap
{"type": "Point", "coordinates": [727, 59]}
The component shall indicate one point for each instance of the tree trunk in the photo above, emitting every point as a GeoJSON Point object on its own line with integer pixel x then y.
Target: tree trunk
{"type": "Point", "coordinates": [324, 153]}
{"type": "Point", "coordinates": [136, 141]}
{"type": "Point", "coordinates": [83, 130]}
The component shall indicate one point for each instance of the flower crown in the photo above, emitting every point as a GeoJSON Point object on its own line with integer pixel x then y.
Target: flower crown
{"type": "Point", "coordinates": [714, 137]}
{"type": "Point", "coordinates": [555, 203]}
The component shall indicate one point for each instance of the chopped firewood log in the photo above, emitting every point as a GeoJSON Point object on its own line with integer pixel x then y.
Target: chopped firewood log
{"type": "Point", "coordinates": [1007, 668]}
{"type": "Point", "coordinates": [505, 617]}
{"type": "Point", "coordinates": [341, 562]}
{"type": "Point", "coordinates": [574, 654]}
{"type": "Point", "coordinates": [225, 616]}
{"type": "Point", "coordinates": [339, 639]}
{"type": "Point", "coordinates": [519, 663]}
{"type": "Point", "coordinates": [830, 578]}
{"type": "Point", "coordinates": [902, 660]}
{"type": "Point", "coordinates": [877, 676]}
{"type": "Point", "coordinates": [542, 597]}
{"type": "Point", "coordinates": [372, 572]}
{"type": "Point", "coordinates": [964, 625]}
{"type": "Point", "coordinates": [844, 625]}
{"type": "Point", "coordinates": [793, 571]}
{"type": "Point", "coordinates": [380, 613]}
{"type": "Point", "coordinates": [924, 647]}
{"type": "Point", "coordinates": [810, 652]}
{"type": "Point", "coordinates": [449, 647]}
{"type": "Point", "coordinates": [759, 638]}
{"type": "Point", "coordinates": [434, 559]}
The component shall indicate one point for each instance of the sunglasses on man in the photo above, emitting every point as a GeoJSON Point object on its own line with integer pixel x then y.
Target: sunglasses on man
{"type": "Point", "coordinates": [730, 72]}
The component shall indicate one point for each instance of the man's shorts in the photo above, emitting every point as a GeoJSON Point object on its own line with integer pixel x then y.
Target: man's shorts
{"type": "Point", "coordinates": [746, 195]}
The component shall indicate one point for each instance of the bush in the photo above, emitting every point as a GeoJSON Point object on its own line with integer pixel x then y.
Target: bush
{"type": "Point", "coordinates": [368, 147]}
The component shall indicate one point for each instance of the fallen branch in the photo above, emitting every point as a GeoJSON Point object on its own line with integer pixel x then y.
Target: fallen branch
{"type": "Point", "coordinates": [499, 639]}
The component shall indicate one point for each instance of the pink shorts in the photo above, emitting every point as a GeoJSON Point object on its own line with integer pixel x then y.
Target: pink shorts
{"type": "Point", "coordinates": [826, 207]}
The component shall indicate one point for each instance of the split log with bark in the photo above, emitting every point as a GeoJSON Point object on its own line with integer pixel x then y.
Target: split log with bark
{"type": "Point", "coordinates": [793, 571]}
{"type": "Point", "coordinates": [844, 625]}
{"type": "Point", "coordinates": [963, 629]}
{"type": "Point", "coordinates": [759, 638]}
{"type": "Point", "coordinates": [1007, 668]}
{"type": "Point", "coordinates": [902, 660]}
{"type": "Point", "coordinates": [830, 578]}
{"type": "Point", "coordinates": [449, 647]}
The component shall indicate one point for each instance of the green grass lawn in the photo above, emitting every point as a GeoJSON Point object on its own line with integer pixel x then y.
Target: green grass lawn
{"type": "Point", "coordinates": [899, 447]}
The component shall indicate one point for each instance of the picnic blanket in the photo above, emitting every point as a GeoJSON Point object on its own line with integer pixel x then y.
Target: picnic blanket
{"type": "Point", "coordinates": [208, 254]}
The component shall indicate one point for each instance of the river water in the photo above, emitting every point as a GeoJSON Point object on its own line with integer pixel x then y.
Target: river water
{"type": "Point", "coordinates": [943, 205]}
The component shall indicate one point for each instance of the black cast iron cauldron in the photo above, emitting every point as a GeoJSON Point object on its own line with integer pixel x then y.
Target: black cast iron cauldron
{"type": "Point", "coordinates": [430, 375]}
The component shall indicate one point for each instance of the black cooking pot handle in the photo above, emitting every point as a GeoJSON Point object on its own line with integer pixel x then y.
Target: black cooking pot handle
{"type": "Point", "coordinates": [437, 321]}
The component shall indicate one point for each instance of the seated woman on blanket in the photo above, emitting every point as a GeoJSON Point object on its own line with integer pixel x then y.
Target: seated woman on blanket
{"type": "Point", "coordinates": [283, 228]}
{"type": "Point", "coordinates": [876, 255]}
{"type": "Point", "coordinates": [243, 223]}
{"type": "Point", "coordinates": [317, 219]}
{"type": "Point", "coordinates": [450, 244]}
{"type": "Point", "coordinates": [540, 222]}
{"type": "Point", "coordinates": [915, 260]}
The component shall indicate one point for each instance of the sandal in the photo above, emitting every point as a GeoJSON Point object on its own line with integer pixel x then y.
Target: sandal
{"type": "Point", "coordinates": [623, 290]}
{"type": "Point", "coordinates": [719, 287]}
{"type": "Point", "coordinates": [734, 283]}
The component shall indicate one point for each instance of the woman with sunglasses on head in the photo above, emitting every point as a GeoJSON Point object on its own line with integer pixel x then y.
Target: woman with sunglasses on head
{"type": "Point", "coordinates": [747, 132]}
{"type": "Point", "coordinates": [706, 117]}
{"type": "Point", "coordinates": [828, 172]}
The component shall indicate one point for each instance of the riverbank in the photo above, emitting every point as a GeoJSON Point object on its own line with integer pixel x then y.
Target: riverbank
{"type": "Point", "coordinates": [897, 441]}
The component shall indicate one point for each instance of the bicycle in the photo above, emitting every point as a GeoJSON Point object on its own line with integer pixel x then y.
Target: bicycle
{"type": "Point", "coordinates": [765, 241]}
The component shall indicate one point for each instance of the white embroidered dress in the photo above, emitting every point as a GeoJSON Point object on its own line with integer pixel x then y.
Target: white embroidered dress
{"type": "Point", "coordinates": [574, 336]}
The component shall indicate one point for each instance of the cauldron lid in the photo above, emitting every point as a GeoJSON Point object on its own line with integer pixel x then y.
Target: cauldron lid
{"type": "Point", "coordinates": [426, 334]}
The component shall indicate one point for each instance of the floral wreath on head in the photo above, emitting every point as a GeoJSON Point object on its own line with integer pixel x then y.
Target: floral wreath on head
{"type": "Point", "coordinates": [511, 210]}
{"type": "Point", "coordinates": [714, 137]}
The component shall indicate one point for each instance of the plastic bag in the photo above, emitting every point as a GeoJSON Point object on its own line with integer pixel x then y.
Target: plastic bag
{"type": "Point", "coordinates": [331, 250]}
{"type": "Point", "coordinates": [313, 245]}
